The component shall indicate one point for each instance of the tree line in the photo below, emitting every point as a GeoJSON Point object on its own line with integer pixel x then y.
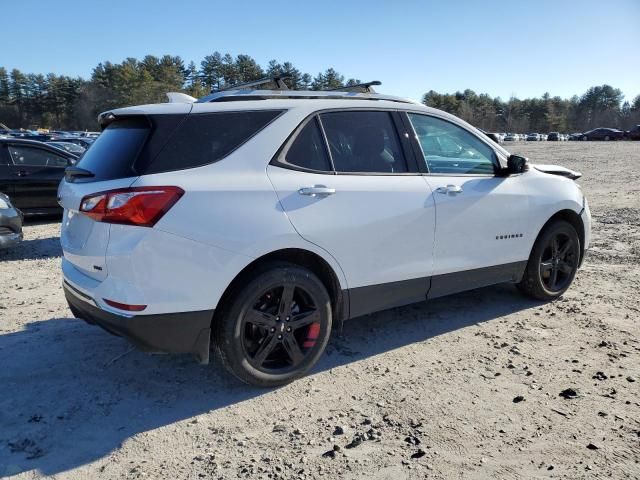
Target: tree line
{"type": "Point", "coordinates": [29, 100]}
{"type": "Point", "coordinates": [599, 106]}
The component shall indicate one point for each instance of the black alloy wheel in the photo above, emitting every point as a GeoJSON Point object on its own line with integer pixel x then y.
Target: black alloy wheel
{"type": "Point", "coordinates": [274, 329]}
{"type": "Point", "coordinates": [280, 329]}
{"type": "Point", "coordinates": [559, 262]}
{"type": "Point", "coordinates": [553, 262]}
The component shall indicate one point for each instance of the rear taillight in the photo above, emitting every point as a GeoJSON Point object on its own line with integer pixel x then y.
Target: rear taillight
{"type": "Point", "coordinates": [141, 206]}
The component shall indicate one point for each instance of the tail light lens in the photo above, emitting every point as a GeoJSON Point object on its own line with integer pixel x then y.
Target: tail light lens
{"type": "Point", "coordinates": [141, 206]}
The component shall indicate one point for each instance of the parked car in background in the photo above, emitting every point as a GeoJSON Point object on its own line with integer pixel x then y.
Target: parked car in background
{"type": "Point", "coordinates": [633, 133]}
{"type": "Point", "coordinates": [30, 172]}
{"type": "Point", "coordinates": [70, 147]}
{"type": "Point", "coordinates": [604, 134]}
{"type": "Point", "coordinates": [84, 142]}
{"type": "Point", "coordinates": [493, 136]}
{"type": "Point", "coordinates": [533, 137]}
{"type": "Point", "coordinates": [30, 135]}
{"type": "Point", "coordinates": [554, 137]}
{"type": "Point", "coordinates": [10, 223]}
{"type": "Point", "coordinates": [260, 224]}
{"type": "Point", "coordinates": [511, 137]}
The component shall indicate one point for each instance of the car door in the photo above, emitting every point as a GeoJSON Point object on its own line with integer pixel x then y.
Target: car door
{"type": "Point", "coordinates": [349, 184]}
{"type": "Point", "coordinates": [6, 186]}
{"type": "Point", "coordinates": [35, 174]}
{"type": "Point", "coordinates": [482, 234]}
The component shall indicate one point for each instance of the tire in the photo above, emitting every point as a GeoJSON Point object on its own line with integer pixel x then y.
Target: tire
{"type": "Point", "coordinates": [548, 275]}
{"type": "Point", "coordinates": [266, 340]}
{"type": "Point", "coordinates": [585, 138]}
{"type": "Point", "coordinates": [606, 138]}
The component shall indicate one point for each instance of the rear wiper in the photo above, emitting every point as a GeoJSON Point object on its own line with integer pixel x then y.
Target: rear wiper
{"type": "Point", "coordinates": [74, 172]}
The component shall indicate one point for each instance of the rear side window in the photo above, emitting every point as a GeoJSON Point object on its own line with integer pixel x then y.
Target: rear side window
{"type": "Point", "coordinates": [308, 149]}
{"type": "Point", "coordinates": [114, 152]}
{"type": "Point", "coordinates": [208, 137]}
{"type": "Point", "coordinates": [364, 142]}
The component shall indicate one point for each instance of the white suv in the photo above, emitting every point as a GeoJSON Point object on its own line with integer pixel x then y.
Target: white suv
{"type": "Point", "coordinates": [254, 220]}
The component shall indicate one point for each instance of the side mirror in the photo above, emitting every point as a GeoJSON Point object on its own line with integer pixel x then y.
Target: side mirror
{"type": "Point", "coordinates": [516, 164]}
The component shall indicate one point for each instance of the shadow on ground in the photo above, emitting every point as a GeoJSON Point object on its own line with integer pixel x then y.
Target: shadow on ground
{"type": "Point", "coordinates": [70, 396]}
{"type": "Point", "coordinates": [40, 248]}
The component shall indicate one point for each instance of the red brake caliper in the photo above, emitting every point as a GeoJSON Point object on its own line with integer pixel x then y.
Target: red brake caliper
{"type": "Point", "coordinates": [312, 335]}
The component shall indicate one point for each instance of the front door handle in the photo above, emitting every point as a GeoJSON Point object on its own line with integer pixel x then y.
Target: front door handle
{"type": "Point", "coordinates": [449, 189]}
{"type": "Point", "coordinates": [317, 190]}
{"type": "Point", "coordinates": [22, 173]}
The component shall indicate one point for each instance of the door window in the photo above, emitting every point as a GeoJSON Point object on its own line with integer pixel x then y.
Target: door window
{"type": "Point", "coordinates": [362, 141]}
{"type": "Point", "coordinates": [35, 157]}
{"type": "Point", "coordinates": [450, 149]}
{"type": "Point", "coordinates": [308, 150]}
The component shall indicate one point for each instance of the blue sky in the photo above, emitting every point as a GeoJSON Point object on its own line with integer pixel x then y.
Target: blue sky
{"type": "Point", "coordinates": [499, 47]}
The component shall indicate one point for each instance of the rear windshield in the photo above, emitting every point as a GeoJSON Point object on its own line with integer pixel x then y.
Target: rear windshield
{"type": "Point", "coordinates": [113, 154]}
{"type": "Point", "coordinates": [160, 143]}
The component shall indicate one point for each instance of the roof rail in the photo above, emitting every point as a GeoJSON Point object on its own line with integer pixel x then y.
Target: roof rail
{"type": "Point", "coordinates": [358, 87]}
{"type": "Point", "coordinates": [278, 81]}
{"type": "Point", "coordinates": [247, 95]}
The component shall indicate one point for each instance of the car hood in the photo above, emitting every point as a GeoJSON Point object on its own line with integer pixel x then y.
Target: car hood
{"type": "Point", "coordinates": [558, 170]}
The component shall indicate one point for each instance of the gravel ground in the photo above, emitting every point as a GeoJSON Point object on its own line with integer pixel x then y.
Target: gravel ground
{"type": "Point", "coordinates": [484, 384]}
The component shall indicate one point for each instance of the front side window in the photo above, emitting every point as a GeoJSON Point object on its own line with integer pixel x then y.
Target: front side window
{"type": "Point", "coordinates": [363, 141]}
{"type": "Point", "coordinates": [36, 157]}
{"type": "Point", "coordinates": [450, 149]}
{"type": "Point", "coordinates": [308, 149]}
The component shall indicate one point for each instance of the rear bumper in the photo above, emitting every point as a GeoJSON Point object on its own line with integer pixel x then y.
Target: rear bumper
{"type": "Point", "coordinates": [187, 332]}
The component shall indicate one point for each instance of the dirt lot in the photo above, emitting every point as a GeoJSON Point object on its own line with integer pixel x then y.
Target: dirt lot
{"type": "Point", "coordinates": [426, 391]}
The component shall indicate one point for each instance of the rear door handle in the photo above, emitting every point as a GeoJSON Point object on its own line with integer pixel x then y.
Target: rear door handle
{"type": "Point", "coordinates": [449, 189]}
{"type": "Point", "coordinates": [317, 190]}
{"type": "Point", "coordinates": [21, 173]}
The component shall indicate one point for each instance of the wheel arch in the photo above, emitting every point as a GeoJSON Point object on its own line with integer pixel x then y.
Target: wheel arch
{"type": "Point", "coordinates": [297, 256]}
{"type": "Point", "coordinates": [575, 220]}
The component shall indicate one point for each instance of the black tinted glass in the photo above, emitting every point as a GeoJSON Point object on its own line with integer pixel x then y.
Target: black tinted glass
{"type": "Point", "coordinates": [36, 157]}
{"type": "Point", "coordinates": [364, 142]}
{"type": "Point", "coordinates": [114, 152]}
{"type": "Point", "coordinates": [208, 137]}
{"type": "Point", "coordinates": [308, 149]}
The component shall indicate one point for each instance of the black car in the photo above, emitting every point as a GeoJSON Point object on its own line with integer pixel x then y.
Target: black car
{"type": "Point", "coordinates": [30, 172]}
{"type": "Point", "coordinates": [605, 134]}
{"type": "Point", "coordinates": [554, 137]}
{"type": "Point", "coordinates": [493, 136]}
{"type": "Point", "coordinates": [633, 133]}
